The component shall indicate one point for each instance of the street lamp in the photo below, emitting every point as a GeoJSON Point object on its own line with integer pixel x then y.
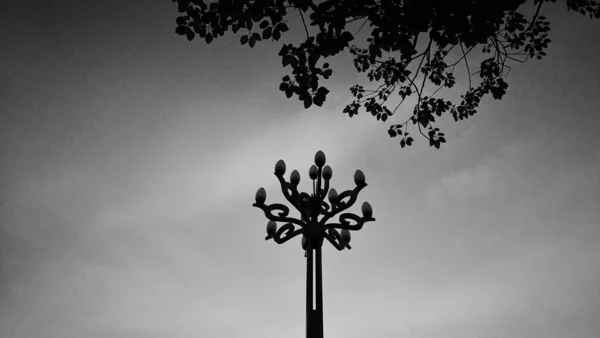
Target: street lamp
{"type": "Point", "coordinates": [313, 226]}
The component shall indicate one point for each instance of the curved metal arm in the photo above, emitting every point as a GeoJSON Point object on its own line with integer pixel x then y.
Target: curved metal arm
{"type": "Point", "coordinates": [283, 212]}
{"type": "Point", "coordinates": [290, 232]}
{"type": "Point", "coordinates": [344, 224]}
{"type": "Point", "coordinates": [323, 192]}
{"type": "Point", "coordinates": [338, 206]}
{"type": "Point", "coordinates": [324, 207]}
{"type": "Point", "coordinates": [303, 199]}
{"type": "Point", "coordinates": [335, 239]}
{"type": "Point", "coordinates": [285, 189]}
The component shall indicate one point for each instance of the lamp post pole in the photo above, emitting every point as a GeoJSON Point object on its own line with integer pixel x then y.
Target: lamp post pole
{"type": "Point", "coordinates": [314, 312]}
{"type": "Point", "coordinates": [313, 226]}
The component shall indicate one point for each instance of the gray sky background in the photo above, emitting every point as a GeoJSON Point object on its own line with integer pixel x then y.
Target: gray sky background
{"type": "Point", "coordinates": [130, 159]}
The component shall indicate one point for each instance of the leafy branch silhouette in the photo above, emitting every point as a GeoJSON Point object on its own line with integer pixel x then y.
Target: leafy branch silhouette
{"type": "Point", "coordinates": [394, 57]}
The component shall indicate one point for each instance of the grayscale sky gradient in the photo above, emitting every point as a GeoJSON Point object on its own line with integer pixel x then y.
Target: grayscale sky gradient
{"type": "Point", "coordinates": [130, 159]}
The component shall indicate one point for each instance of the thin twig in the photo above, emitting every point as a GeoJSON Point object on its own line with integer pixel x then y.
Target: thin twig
{"type": "Point", "coordinates": [304, 23]}
{"type": "Point", "coordinates": [535, 16]}
{"type": "Point", "coordinates": [361, 26]}
{"type": "Point", "coordinates": [459, 60]}
{"type": "Point", "coordinates": [466, 62]}
{"type": "Point", "coordinates": [355, 19]}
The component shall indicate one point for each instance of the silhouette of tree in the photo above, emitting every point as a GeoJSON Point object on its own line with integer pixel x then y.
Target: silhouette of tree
{"type": "Point", "coordinates": [408, 45]}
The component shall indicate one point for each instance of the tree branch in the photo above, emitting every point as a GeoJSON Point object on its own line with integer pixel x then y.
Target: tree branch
{"type": "Point", "coordinates": [466, 62]}
{"type": "Point", "coordinates": [361, 26]}
{"type": "Point", "coordinates": [535, 16]}
{"type": "Point", "coordinates": [304, 24]}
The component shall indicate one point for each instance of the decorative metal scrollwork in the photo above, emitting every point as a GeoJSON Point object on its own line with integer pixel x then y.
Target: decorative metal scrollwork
{"type": "Point", "coordinates": [283, 212]}
{"type": "Point", "coordinates": [344, 224]}
{"type": "Point", "coordinates": [290, 232]}
{"type": "Point", "coordinates": [313, 206]}
{"type": "Point", "coordinates": [334, 237]}
{"type": "Point", "coordinates": [338, 205]}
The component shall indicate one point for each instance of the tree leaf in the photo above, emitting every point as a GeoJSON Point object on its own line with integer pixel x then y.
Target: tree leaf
{"type": "Point", "coordinates": [318, 101]}
{"type": "Point", "coordinates": [347, 36]}
{"type": "Point", "coordinates": [282, 27]}
{"type": "Point", "coordinates": [324, 91]}
{"type": "Point", "coordinates": [287, 59]}
{"type": "Point", "coordinates": [307, 102]}
{"type": "Point", "coordinates": [289, 92]}
{"type": "Point", "coordinates": [266, 34]}
{"type": "Point", "coordinates": [320, 96]}
{"type": "Point", "coordinates": [465, 25]}
{"type": "Point", "coordinates": [190, 35]}
{"type": "Point", "coordinates": [182, 30]}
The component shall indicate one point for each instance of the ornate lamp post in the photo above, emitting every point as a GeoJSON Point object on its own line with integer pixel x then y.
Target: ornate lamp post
{"type": "Point", "coordinates": [313, 226]}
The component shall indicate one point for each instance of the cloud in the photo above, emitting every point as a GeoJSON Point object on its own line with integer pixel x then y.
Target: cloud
{"type": "Point", "coordinates": [493, 177]}
{"type": "Point", "coordinates": [465, 185]}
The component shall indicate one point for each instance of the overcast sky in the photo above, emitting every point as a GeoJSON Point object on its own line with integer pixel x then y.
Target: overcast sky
{"type": "Point", "coordinates": [130, 159]}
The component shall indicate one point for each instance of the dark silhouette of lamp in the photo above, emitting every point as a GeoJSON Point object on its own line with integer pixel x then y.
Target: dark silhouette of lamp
{"type": "Point", "coordinates": [313, 224]}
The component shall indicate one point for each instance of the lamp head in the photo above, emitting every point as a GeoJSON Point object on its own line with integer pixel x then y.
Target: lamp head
{"type": "Point", "coordinates": [332, 195]}
{"type": "Point", "coordinates": [359, 178]}
{"type": "Point", "coordinates": [261, 196]}
{"type": "Point", "coordinates": [271, 228]}
{"type": "Point", "coordinates": [320, 159]}
{"type": "Point", "coordinates": [346, 235]}
{"type": "Point", "coordinates": [295, 177]}
{"type": "Point", "coordinates": [327, 172]}
{"type": "Point", "coordinates": [313, 172]}
{"type": "Point", "coordinates": [280, 168]}
{"type": "Point", "coordinates": [367, 210]}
